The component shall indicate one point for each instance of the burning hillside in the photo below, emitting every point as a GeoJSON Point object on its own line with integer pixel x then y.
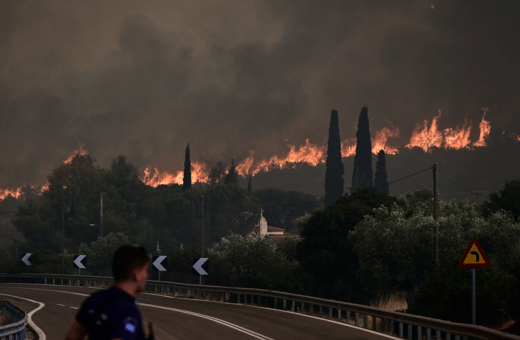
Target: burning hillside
{"type": "Point", "coordinates": [425, 136]}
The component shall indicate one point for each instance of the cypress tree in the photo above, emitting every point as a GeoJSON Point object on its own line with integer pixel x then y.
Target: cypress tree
{"type": "Point", "coordinates": [334, 167]}
{"type": "Point", "coordinates": [362, 175]}
{"type": "Point", "coordinates": [232, 175]}
{"type": "Point", "coordinates": [186, 185]}
{"type": "Point", "coordinates": [249, 188]}
{"type": "Point", "coordinates": [381, 179]}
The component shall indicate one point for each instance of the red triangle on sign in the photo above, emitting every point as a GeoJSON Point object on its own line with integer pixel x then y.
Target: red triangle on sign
{"type": "Point", "coordinates": [474, 256]}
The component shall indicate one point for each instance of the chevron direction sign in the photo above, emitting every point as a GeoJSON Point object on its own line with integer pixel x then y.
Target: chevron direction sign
{"type": "Point", "coordinates": [80, 261]}
{"type": "Point", "coordinates": [25, 259]}
{"type": "Point", "coordinates": [159, 263]}
{"type": "Point", "coordinates": [200, 266]}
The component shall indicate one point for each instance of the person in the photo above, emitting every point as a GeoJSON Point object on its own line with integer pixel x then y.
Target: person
{"type": "Point", "coordinates": [112, 314]}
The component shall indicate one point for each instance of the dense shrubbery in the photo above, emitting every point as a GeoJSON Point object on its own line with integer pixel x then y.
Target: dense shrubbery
{"type": "Point", "coordinates": [366, 245]}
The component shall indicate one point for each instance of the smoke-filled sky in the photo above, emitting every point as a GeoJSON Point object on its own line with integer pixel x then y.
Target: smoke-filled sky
{"type": "Point", "coordinates": [145, 78]}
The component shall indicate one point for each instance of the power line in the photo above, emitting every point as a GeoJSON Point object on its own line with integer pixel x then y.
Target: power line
{"type": "Point", "coordinates": [400, 179]}
{"type": "Point", "coordinates": [288, 205]}
{"type": "Point", "coordinates": [471, 192]}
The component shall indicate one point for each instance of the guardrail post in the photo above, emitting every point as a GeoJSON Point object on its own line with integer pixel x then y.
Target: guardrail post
{"type": "Point", "coordinates": [62, 281]}
{"type": "Point", "coordinates": [410, 332]}
{"type": "Point", "coordinates": [348, 316]}
{"type": "Point", "coordinates": [448, 336]}
{"type": "Point", "coordinates": [392, 329]}
{"type": "Point", "coordinates": [382, 325]}
{"type": "Point", "coordinates": [330, 313]}
{"type": "Point", "coordinates": [401, 330]}
{"type": "Point", "coordinates": [293, 306]}
{"type": "Point", "coordinates": [45, 280]}
{"type": "Point", "coordinates": [428, 334]}
{"type": "Point", "coordinates": [357, 319]}
{"type": "Point", "coordinates": [457, 337]}
{"type": "Point", "coordinates": [374, 323]}
{"type": "Point", "coordinates": [321, 310]}
{"type": "Point", "coordinates": [284, 304]}
{"type": "Point", "coordinates": [275, 303]}
{"type": "Point", "coordinates": [438, 335]}
{"type": "Point", "coordinates": [302, 307]}
{"type": "Point", "coordinates": [312, 309]}
{"type": "Point", "coordinates": [339, 315]}
{"type": "Point", "coordinates": [53, 281]}
{"type": "Point", "coordinates": [419, 332]}
{"type": "Point", "coordinates": [366, 320]}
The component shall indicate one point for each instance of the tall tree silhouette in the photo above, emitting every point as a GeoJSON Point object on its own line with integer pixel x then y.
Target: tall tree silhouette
{"type": "Point", "coordinates": [362, 175]}
{"type": "Point", "coordinates": [187, 170]}
{"type": "Point", "coordinates": [249, 187]}
{"type": "Point", "coordinates": [232, 174]}
{"type": "Point", "coordinates": [381, 179]}
{"type": "Point", "coordinates": [334, 167]}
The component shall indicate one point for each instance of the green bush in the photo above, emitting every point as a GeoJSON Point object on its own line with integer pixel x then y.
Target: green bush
{"type": "Point", "coordinates": [446, 295]}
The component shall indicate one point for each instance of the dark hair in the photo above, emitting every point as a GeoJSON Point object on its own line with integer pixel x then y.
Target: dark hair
{"type": "Point", "coordinates": [126, 259]}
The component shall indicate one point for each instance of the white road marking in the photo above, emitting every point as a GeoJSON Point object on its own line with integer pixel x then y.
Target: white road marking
{"type": "Point", "coordinates": [251, 306]}
{"type": "Point", "coordinates": [41, 334]}
{"type": "Point", "coordinates": [222, 322]}
{"type": "Point", "coordinates": [74, 307]}
{"type": "Point", "coordinates": [60, 305]}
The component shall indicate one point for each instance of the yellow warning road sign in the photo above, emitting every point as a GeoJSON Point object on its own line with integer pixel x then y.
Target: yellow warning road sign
{"type": "Point", "coordinates": [474, 256]}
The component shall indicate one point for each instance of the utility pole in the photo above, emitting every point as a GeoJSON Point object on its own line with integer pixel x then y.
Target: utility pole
{"type": "Point", "coordinates": [436, 214]}
{"type": "Point", "coordinates": [63, 238]}
{"type": "Point", "coordinates": [101, 217]}
{"type": "Point", "coordinates": [202, 252]}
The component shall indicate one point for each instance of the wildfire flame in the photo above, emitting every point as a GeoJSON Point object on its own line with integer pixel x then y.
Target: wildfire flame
{"type": "Point", "coordinates": [16, 193]}
{"type": "Point", "coordinates": [379, 142]}
{"type": "Point", "coordinates": [348, 148]}
{"type": "Point", "coordinates": [485, 129]}
{"type": "Point", "coordinates": [153, 177]}
{"type": "Point", "coordinates": [79, 151]}
{"type": "Point", "coordinates": [426, 138]}
{"type": "Point", "coordinates": [457, 138]}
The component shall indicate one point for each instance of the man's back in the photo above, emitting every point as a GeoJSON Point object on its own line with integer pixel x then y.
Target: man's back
{"type": "Point", "coordinates": [120, 319]}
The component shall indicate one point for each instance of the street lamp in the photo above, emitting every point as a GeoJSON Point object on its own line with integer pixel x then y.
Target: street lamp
{"type": "Point", "coordinates": [100, 230]}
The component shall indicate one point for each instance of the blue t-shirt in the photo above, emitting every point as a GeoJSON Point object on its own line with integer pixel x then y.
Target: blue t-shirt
{"type": "Point", "coordinates": [120, 319]}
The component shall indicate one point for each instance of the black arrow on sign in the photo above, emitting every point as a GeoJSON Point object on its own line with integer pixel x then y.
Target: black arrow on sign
{"type": "Point", "coordinates": [476, 254]}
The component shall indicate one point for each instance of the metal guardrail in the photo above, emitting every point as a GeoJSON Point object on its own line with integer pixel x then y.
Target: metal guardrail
{"type": "Point", "coordinates": [17, 329]}
{"type": "Point", "coordinates": [398, 324]}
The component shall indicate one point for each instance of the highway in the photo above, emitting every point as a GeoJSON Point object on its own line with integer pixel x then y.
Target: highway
{"type": "Point", "coordinates": [53, 308]}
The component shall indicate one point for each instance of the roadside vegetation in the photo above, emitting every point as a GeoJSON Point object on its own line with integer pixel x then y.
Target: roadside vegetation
{"type": "Point", "coordinates": [368, 247]}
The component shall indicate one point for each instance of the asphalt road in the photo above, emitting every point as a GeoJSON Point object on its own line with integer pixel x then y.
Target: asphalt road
{"type": "Point", "coordinates": [181, 318]}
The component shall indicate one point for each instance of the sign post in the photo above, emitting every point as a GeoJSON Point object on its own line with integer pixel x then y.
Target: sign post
{"type": "Point", "coordinates": [159, 263]}
{"type": "Point", "coordinates": [474, 257]}
{"type": "Point", "coordinates": [200, 267]}
{"type": "Point", "coordinates": [25, 259]}
{"type": "Point", "coordinates": [80, 262]}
